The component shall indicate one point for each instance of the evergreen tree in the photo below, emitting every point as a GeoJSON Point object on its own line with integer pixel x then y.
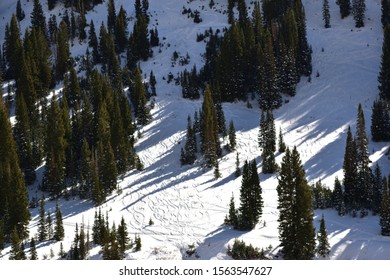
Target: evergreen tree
{"type": "Point", "coordinates": [123, 238]}
{"type": "Point", "coordinates": [75, 250]}
{"type": "Point", "coordinates": [16, 247]}
{"type": "Point", "coordinates": [209, 130]}
{"type": "Point", "coordinates": [364, 188]}
{"type": "Point", "coordinates": [338, 198]}
{"type": "Point", "coordinates": [281, 144]}
{"type": "Point", "coordinates": [42, 229]}
{"type": "Point", "coordinates": [350, 172]}
{"type": "Point", "coordinates": [14, 212]}
{"type": "Point", "coordinates": [232, 218]}
{"type": "Point", "coordinates": [296, 231]}
{"type": "Point", "coordinates": [33, 250]}
{"type": "Point", "coordinates": [111, 15]}
{"type": "Point", "coordinates": [59, 232]}
{"type": "Point", "coordinates": [384, 74]}
{"type": "Point", "coordinates": [326, 13]}
{"type": "Point", "coordinates": [20, 15]}
{"type": "Point", "coordinates": [138, 244]}
{"type": "Point", "coordinates": [385, 17]}
{"type": "Point", "coordinates": [232, 136]}
{"type": "Point", "coordinates": [237, 173]}
{"type": "Point", "coordinates": [377, 185]}
{"type": "Point", "coordinates": [251, 202]}
{"type": "Point", "coordinates": [345, 7]}
{"type": "Point", "coordinates": [94, 43]}
{"type": "Point", "coordinates": [139, 100]}
{"type": "Point", "coordinates": [153, 82]}
{"type": "Point", "coordinates": [358, 11]}
{"type": "Point", "coordinates": [63, 51]}
{"type": "Point", "coordinates": [49, 226]}
{"type": "Point", "coordinates": [38, 19]}
{"type": "Point", "coordinates": [121, 34]}
{"type": "Point", "coordinates": [267, 141]}
{"type": "Point", "coordinates": [380, 121]}
{"type": "Point", "coordinates": [322, 237]}
{"type": "Point", "coordinates": [55, 147]}
{"type": "Point", "coordinates": [385, 210]}
{"type": "Point", "coordinates": [189, 152]}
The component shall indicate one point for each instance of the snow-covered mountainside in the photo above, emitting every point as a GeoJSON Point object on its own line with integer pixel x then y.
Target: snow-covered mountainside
{"type": "Point", "coordinates": [186, 203]}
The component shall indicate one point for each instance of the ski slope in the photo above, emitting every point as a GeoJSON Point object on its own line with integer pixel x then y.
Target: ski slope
{"type": "Point", "coordinates": [186, 203]}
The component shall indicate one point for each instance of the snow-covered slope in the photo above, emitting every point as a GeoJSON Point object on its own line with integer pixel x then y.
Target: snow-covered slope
{"type": "Point", "coordinates": [186, 203]}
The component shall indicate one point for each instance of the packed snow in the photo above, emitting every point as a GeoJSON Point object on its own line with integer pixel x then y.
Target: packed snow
{"type": "Point", "coordinates": [186, 203]}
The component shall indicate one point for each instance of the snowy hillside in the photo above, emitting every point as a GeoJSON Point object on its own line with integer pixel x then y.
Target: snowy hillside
{"type": "Point", "coordinates": [187, 204]}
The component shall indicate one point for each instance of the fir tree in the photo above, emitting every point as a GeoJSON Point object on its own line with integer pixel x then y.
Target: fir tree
{"type": "Point", "coordinates": [138, 244]}
{"type": "Point", "coordinates": [189, 152]}
{"type": "Point", "coordinates": [63, 51]}
{"type": "Point", "coordinates": [385, 17]}
{"type": "Point", "coordinates": [345, 7]}
{"type": "Point", "coordinates": [59, 232]}
{"type": "Point", "coordinates": [123, 238]}
{"type": "Point", "coordinates": [49, 226]}
{"type": "Point", "coordinates": [232, 136]}
{"type": "Point", "coordinates": [20, 15]}
{"type": "Point", "coordinates": [384, 74]}
{"type": "Point", "coordinates": [16, 252]}
{"type": "Point", "coordinates": [209, 130]}
{"type": "Point", "coordinates": [326, 13]}
{"type": "Point", "coordinates": [232, 218]}
{"type": "Point", "coordinates": [338, 198]}
{"type": "Point", "coordinates": [296, 231]}
{"type": "Point", "coordinates": [350, 172]}
{"type": "Point", "coordinates": [385, 210]}
{"type": "Point", "coordinates": [42, 229]}
{"type": "Point", "coordinates": [14, 211]}
{"type": "Point", "coordinates": [33, 250]}
{"type": "Point", "coordinates": [358, 11]}
{"type": "Point", "coordinates": [281, 144]}
{"type": "Point", "coordinates": [377, 185]}
{"type": "Point", "coordinates": [380, 121]}
{"type": "Point", "coordinates": [38, 19]}
{"type": "Point", "coordinates": [139, 100]}
{"type": "Point", "coordinates": [323, 243]}
{"type": "Point", "coordinates": [237, 173]}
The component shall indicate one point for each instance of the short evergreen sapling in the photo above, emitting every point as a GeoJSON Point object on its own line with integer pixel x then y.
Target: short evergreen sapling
{"type": "Point", "coordinates": [323, 248]}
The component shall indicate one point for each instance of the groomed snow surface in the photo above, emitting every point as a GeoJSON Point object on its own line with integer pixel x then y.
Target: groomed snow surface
{"type": "Point", "coordinates": [186, 204]}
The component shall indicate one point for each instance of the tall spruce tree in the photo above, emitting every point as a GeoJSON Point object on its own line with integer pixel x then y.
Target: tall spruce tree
{"type": "Point", "coordinates": [358, 11]}
{"type": "Point", "coordinates": [345, 7]}
{"type": "Point", "coordinates": [385, 210]}
{"type": "Point", "coordinates": [380, 121]}
{"type": "Point", "coordinates": [384, 74]}
{"type": "Point", "coordinates": [326, 13]}
{"type": "Point", "coordinates": [296, 231]}
{"type": "Point", "coordinates": [38, 19]}
{"type": "Point", "coordinates": [323, 248]}
{"type": "Point", "coordinates": [59, 232]}
{"type": "Point", "coordinates": [139, 100]}
{"type": "Point", "coordinates": [232, 136]}
{"type": "Point", "coordinates": [338, 197]}
{"type": "Point", "coordinates": [385, 17]}
{"type": "Point", "coordinates": [33, 250]}
{"type": "Point", "coordinates": [42, 229]}
{"type": "Point", "coordinates": [209, 130]}
{"type": "Point", "coordinates": [350, 173]}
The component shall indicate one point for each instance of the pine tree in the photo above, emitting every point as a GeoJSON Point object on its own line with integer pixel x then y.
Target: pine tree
{"type": "Point", "coordinates": [345, 7]}
{"type": "Point", "coordinates": [377, 185]}
{"type": "Point", "coordinates": [338, 198]}
{"type": "Point", "coordinates": [322, 236]}
{"type": "Point", "coordinates": [16, 248]}
{"type": "Point", "coordinates": [232, 136]}
{"type": "Point", "coordinates": [123, 238]}
{"type": "Point", "coordinates": [237, 173]}
{"type": "Point", "coordinates": [139, 100]}
{"type": "Point", "coordinates": [281, 144]}
{"type": "Point", "coordinates": [380, 121]}
{"type": "Point", "coordinates": [209, 130]}
{"type": "Point", "coordinates": [267, 140]}
{"type": "Point", "coordinates": [63, 51]}
{"type": "Point", "coordinates": [138, 244]}
{"type": "Point", "coordinates": [364, 188]}
{"type": "Point", "coordinates": [232, 218]}
{"type": "Point", "coordinates": [296, 231]}
{"type": "Point", "coordinates": [14, 210]}
{"type": "Point", "coordinates": [326, 13]}
{"type": "Point", "coordinates": [251, 201]}
{"type": "Point", "coordinates": [49, 226]}
{"type": "Point", "coordinates": [20, 15]}
{"type": "Point", "coordinates": [38, 19]}
{"type": "Point", "coordinates": [385, 17]}
{"type": "Point", "coordinates": [385, 210]}
{"type": "Point", "coordinates": [384, 74]}
{"type": "Point", "coordinates": [59, 232]}
{"type": "Point", "coordinates": [189, 152]}
{"type": "Point", "coordinates": [350, 172]}
{"type": "Point", "coordinates": [33, 250]}
{"type": "Point", "coordinates": [42, 229]}
{"type": "Point", "coordinates": [358, 11]}
{"type": "Point", "coordinates": [75, 250]}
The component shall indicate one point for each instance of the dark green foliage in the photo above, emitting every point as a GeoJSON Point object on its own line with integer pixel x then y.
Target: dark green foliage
{"type": "Point", "coordinates": [232, 218]}
{"type": "Point", "coordinates": [33, 250]}
{"type": "Point", "coordinates": [190, 84]}
{"type": "Point", "coordinates": [296, 231]}
{"type": "Point", "coordinates": [16, 252]}
{"type": "Point", "coordinates": [385, 17]}
{"type": "Point", "coordinates": [42, 229]}
{"type": "Point", "coordinates": [190, 149]}
{"type": "Point", "coordinates": [123, 238]}
{"type": "Point", "coordinates": [281, 144]}
{"type": "Point", "coordinates": [384, 74]}
{"type": "Point", "coordinates": [326, 13]}
{"type": "Point", "coordinates": [350, 172]}
{"type": "Point", "coordinates": [237, 173]}
{"type": "Point", "coordinates": [322, 196]}
{"type": "Point", "coordinates": [251, 201]}
{"type": "Point", "coordinates": [38, 19]}
{"type": "Point", "coordinates": [380, 121]}
{"type": "Point", "coordinates": [139, 100]}
{"type": "Point", "coordinates": [63, 51]}
{"type": "Point", "coordinates": [385, 210]}
{"type": "Point", "coordinates": [59, 232]}
{"type": "Point", "coordinates": [153, 82]}
{"type": "Point", "coordinates": [138, 244]}
{"type": "Point", "coordinates": [377, 186]}
{"type": "Point", "coordinates": [323, 248]}
{"type": "Point", "coordinates": [14, 211]}
{"type": "Point", "coordinates": [20, 15]}
{"type": "Point", "coordinates": [358, 11]}
{"type": "Point", "coordinates": [267, 141]}
{"type": "Point", "coordinates": [49, 226]}
{"type": "Point", "coordinates": [209, 130]}
{"type": "Point", "coordinates": [345, 7]}
{"type": "Point", "coordinates": [338, 198]}
{"type": "Point", "coordinates": [241, 251]}
{"type": "Point", "coordinates": [232, 136]}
